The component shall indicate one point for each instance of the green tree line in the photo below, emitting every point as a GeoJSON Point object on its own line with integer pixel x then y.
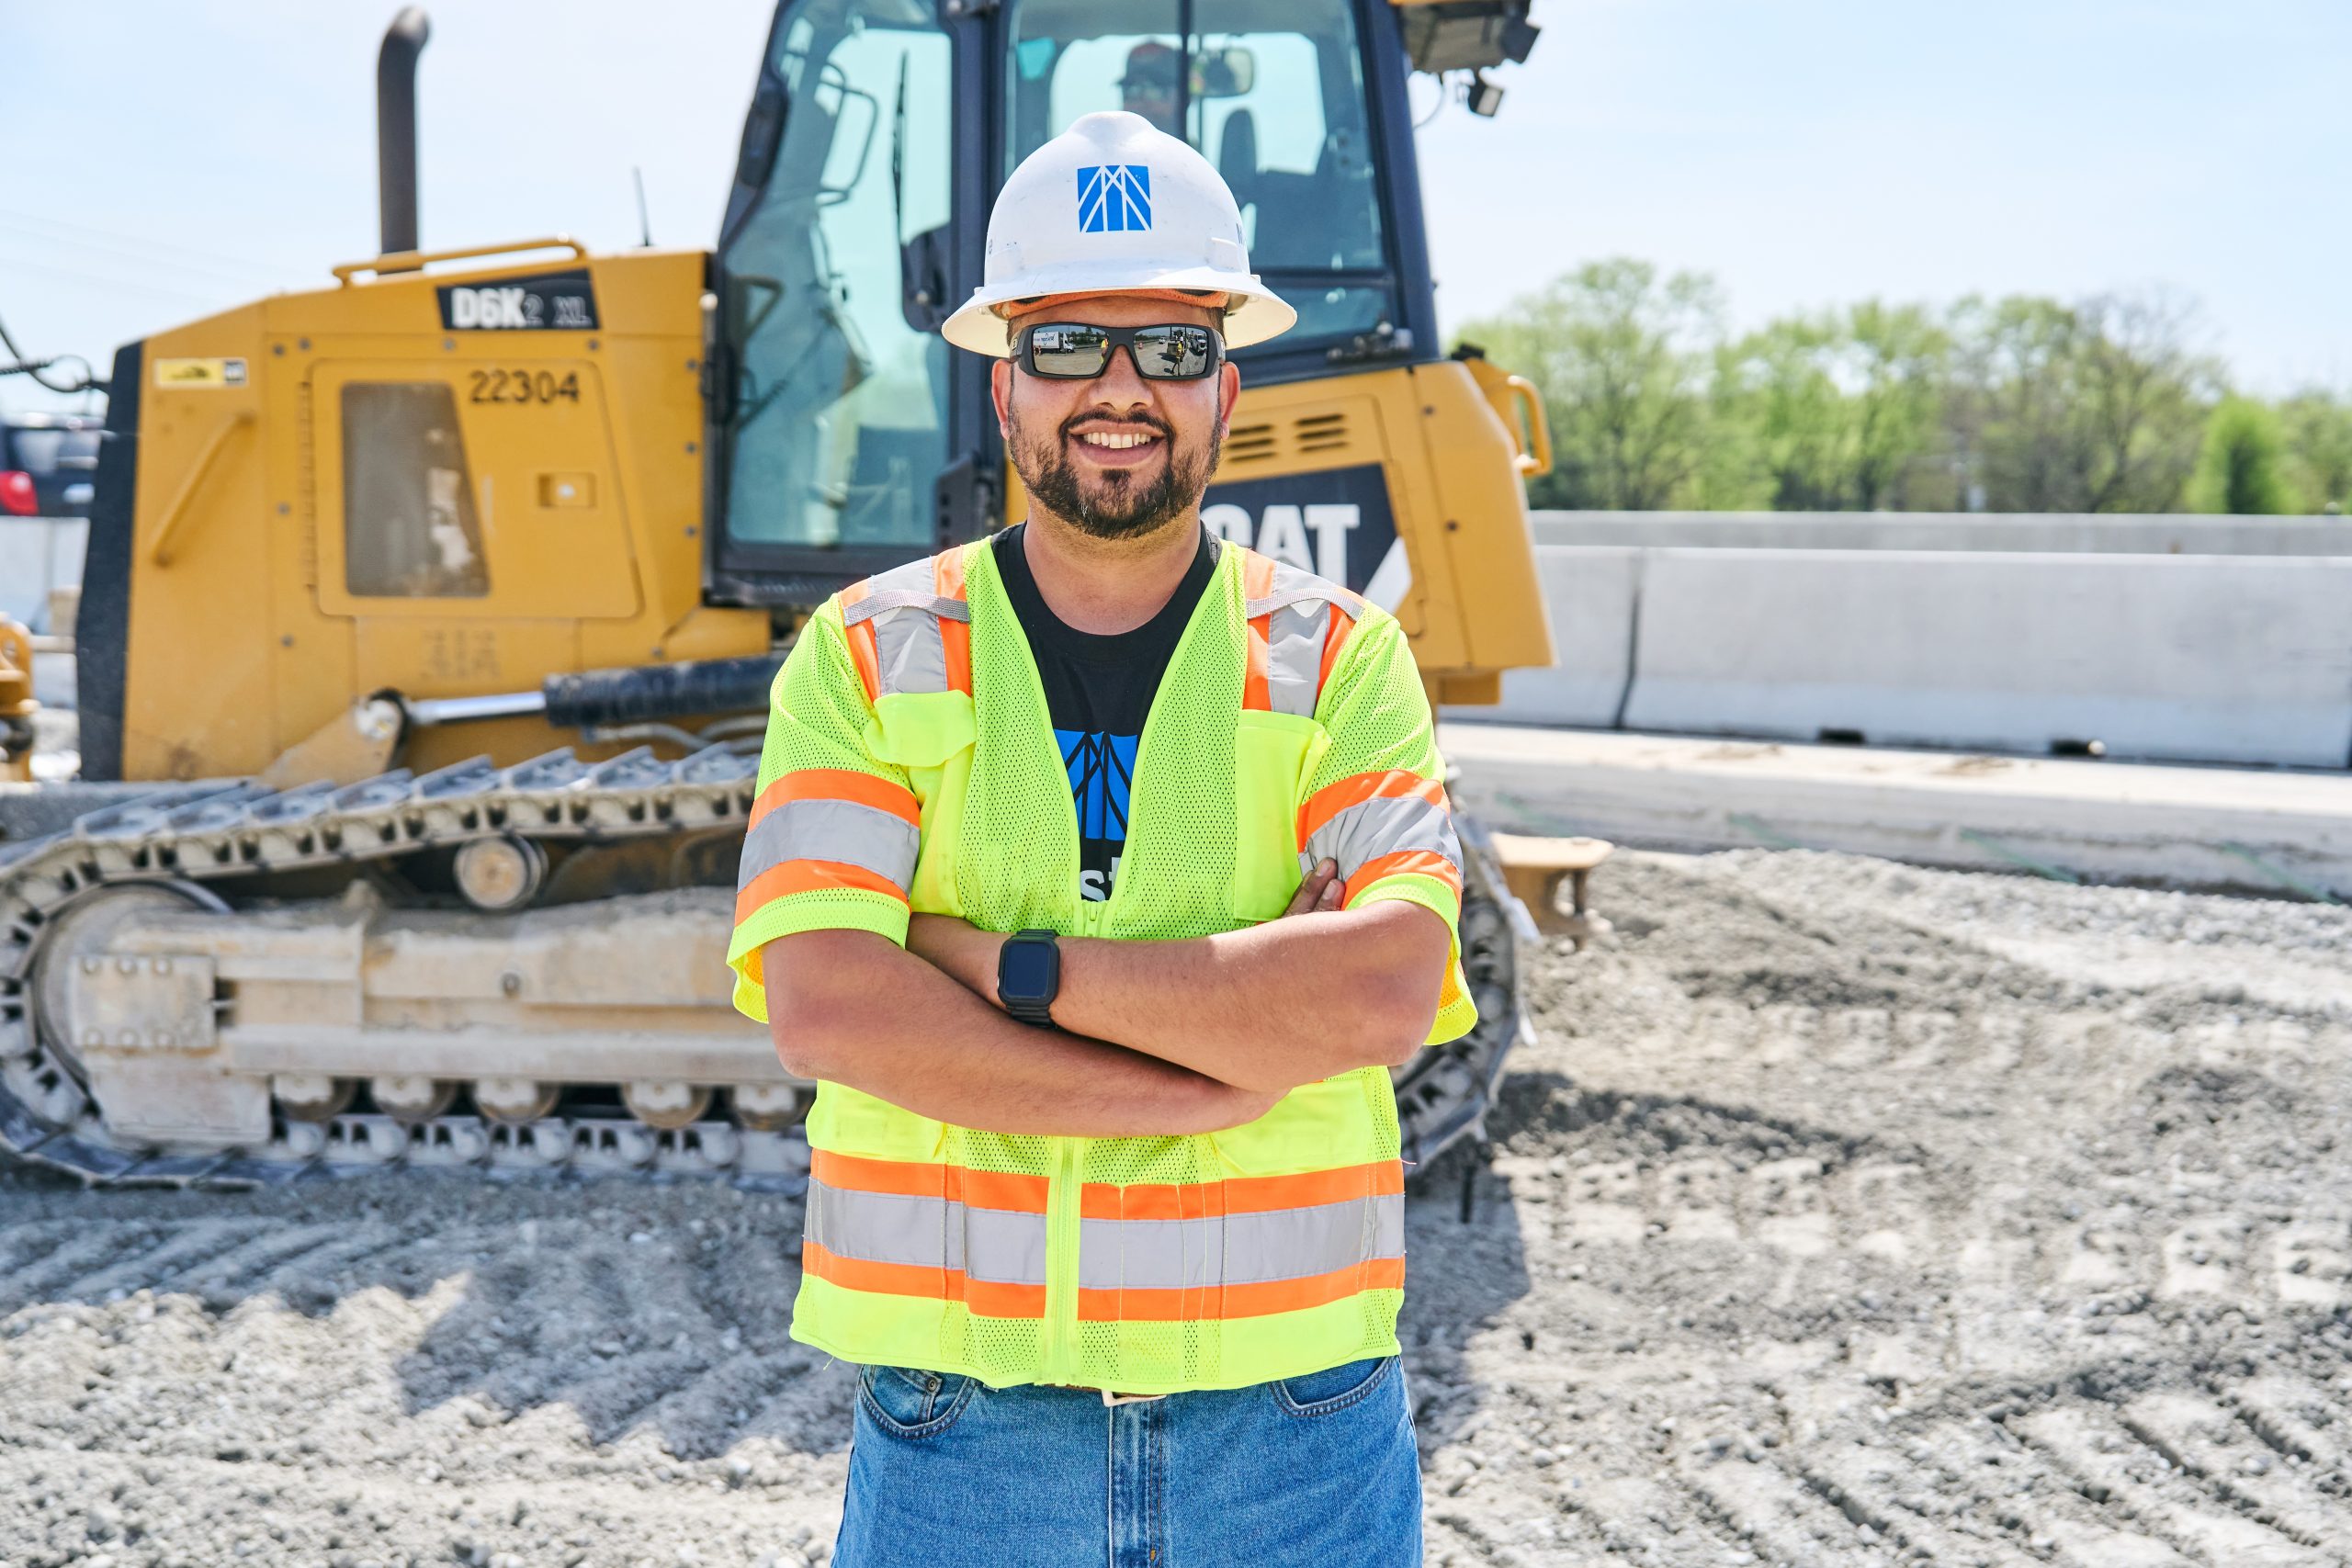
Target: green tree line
{"type": "Point", "coordinates": [2020, 404]}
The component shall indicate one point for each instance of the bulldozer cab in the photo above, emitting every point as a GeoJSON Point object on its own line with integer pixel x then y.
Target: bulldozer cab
{"type": "Point", "coordinates": [847, 436]}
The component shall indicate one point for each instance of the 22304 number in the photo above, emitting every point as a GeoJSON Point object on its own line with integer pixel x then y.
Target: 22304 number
{"type": "Point", "coordinates": [523, 387]}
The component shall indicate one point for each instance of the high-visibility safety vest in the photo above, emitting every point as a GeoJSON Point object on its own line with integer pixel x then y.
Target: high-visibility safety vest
{"type": "Point", "coordinates": [911, 765]}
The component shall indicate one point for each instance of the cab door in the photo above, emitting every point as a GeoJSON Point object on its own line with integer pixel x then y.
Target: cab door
{"type": "Point", "coordinates": [469, 520]}
{"type": "Point", "coordinates": [846, 437]}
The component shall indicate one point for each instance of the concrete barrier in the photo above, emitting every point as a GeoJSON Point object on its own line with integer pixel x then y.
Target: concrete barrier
{"type": "Point", "coordinates": [2037, 533]}
{"type": "Point", "coordinates": [1589, 595]}
{"type": "Point", "coordinates": [2242, 659]}
{"type": "Point", "coordinates": [2203, 658]}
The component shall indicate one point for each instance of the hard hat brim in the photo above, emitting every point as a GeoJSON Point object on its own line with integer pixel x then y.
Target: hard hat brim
{"type": "Point", "coordinates": [1255, 314]}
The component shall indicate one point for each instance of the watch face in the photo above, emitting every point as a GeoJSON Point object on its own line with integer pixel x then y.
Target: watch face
{"type": "Point", "coordinates": [1026, 973]}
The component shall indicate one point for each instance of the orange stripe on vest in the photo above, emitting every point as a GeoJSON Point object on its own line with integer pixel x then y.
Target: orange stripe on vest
{"type": "Point", "coordinates": [1419, 863]}
{"type": "Point", "coordinates": [984, 1298]}
{"type": "Point", "coordinates": [1356, 788]}
{"type": "Point", "coordinates": [838, 784]}
{"type": "Point", "coordinates": [920, 1178]}
{"type": "Point", "coordinates": [1239, 1195]}
{"type": "Point", "coordinates": [809, 877]}
{"type": "Point", "coordinates": [1256, 1300]}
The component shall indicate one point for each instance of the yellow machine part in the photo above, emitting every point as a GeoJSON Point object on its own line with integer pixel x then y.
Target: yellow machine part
{"type": "Point", "coordinates": [17, 703]}
{"type": "Point", "coordinates": [266, 595]}
{"type": "Point", "coordinates": [260, 609]}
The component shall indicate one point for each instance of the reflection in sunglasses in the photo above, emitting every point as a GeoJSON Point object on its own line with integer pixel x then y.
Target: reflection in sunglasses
{"type": "Point", "coordinates": [1172, 351]}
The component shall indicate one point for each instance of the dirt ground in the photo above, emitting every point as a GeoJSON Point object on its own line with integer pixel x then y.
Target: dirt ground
{"type": "Point", "coordinates": [1841, 1214]}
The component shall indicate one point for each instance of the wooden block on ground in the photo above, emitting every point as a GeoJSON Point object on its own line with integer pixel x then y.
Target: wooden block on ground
{"type": "Point", "coordinates": [1534, 867]}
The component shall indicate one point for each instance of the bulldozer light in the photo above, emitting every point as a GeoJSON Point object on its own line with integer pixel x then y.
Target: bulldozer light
{"type": "Point", "coordinates": [16, 498]}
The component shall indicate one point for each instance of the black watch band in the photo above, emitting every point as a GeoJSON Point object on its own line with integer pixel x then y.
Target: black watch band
{"type": "Point", "coordinates": [1029, 976]}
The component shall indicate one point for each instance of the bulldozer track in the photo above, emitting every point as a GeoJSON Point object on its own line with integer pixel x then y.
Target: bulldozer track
{"type": "Point", "coordinates": [208, 834]}
{"type": "Point", "coordinates": [212, 833]}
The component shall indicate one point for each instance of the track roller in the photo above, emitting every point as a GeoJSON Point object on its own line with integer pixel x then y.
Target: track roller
{"type": "Point", "coordinates": [409, 1099]}
{"type": "Point", "coordinates": [666, 1103]}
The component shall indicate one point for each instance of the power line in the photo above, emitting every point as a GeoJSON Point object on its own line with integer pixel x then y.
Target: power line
{"type": "Point", "coordinates": [119, 254]}
{"type": "Point", "coordinates": [95, 279]}
{"type": "Point", "coordinates": [142, 242]}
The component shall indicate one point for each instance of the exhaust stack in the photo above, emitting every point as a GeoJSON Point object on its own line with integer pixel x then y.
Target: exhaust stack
{"type": "Point", "coordinates": [396, 126]}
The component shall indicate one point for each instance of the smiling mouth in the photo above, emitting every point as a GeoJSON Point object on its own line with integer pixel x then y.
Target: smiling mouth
{"type": "Point", "coordinates": [1116, 441]}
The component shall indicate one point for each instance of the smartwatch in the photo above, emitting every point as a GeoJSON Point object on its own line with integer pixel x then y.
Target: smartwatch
{"type": "Point", "coordinates": [1029, 976]}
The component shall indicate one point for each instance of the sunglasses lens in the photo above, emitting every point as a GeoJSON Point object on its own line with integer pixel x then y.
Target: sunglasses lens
{"type": "Point", "coordinates": [1173, 353]}
{"type": "Point", "coordinates": [1068, 350]}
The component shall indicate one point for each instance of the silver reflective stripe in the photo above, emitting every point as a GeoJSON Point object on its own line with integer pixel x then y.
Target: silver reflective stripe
{"type": "Point", "coordinates": [1292, 585]}
{"type": "Point", "coordinates": [889, 590]}
{"type": "Point", "coordinates": [921, 598]}
{"type": "Point", "coordinates": [1381, 826]}
{"type": "Point", "coordinates": [906, 608]}
{"type": "Point", "coordinates": [1294, 656]}
{"type": "Point", "coordinates": [928, 1233]}
{"type": "Point", "coordinates": [1239, 1250]}
{"type": "Point", "coordinates": [1004, 1246]}
{"type": "Point", "coordinates": [840, 831]}
{"type": "Point", "coordinates": [912, 652]}
{"type": "Point", "coordinates": [1297, 609]}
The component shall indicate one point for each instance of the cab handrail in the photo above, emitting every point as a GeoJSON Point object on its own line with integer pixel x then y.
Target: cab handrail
{"type": "Point", "coordinates": [416, 261]}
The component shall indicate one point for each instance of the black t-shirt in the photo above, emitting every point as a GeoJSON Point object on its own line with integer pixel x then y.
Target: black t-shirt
{"type": "Point", "coordinates": [1098, 691]}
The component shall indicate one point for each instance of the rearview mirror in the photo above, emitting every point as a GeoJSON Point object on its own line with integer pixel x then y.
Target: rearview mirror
{"type": "Point", "coordinates": [1226, 73]}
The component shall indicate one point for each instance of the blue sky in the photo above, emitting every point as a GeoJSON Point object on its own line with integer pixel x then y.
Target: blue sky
{"type": "Point", "coordinates": [166, 159]}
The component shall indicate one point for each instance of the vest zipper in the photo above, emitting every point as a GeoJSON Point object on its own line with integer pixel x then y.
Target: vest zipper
{"type": "Point", "coordinates": [1059, 1351]}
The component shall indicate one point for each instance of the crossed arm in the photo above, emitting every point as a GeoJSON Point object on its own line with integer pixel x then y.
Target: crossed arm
{"type": "Point", "coordinates": [1155, 1037]}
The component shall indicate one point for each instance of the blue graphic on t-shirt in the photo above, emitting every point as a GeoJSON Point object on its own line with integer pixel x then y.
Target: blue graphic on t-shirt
{"type": "Point", "coordinates": [1101, 765]}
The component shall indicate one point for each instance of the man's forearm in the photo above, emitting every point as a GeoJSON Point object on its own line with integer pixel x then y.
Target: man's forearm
{"type": "Point", "coordinates": [852, 1008]}
{"type": "Point", "coordinates": [1270, 1006]}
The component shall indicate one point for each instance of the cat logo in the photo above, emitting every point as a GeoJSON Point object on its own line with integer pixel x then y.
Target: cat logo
{"type": "Point", "coordinates": [1335, 523]}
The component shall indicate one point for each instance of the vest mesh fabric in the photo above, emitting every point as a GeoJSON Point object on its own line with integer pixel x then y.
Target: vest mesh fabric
{"type": "Point", "coordinates": [819, 689]}
{"type": "Point", "coordinates": [1211, 847]}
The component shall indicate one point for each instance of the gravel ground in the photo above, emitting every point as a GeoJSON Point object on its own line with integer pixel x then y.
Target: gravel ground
{"type": "Point", "coordinates": [1842, 1212]}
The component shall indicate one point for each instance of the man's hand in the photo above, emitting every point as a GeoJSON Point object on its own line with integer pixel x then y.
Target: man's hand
{"type": "Point", "coordinates": [1318, 891]}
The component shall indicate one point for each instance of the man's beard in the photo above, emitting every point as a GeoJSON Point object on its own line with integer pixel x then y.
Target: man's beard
{"type": "Point", "coordinates": [1123, 507]}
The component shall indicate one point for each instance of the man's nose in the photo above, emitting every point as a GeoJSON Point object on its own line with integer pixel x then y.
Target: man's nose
{"type": "Point", "coordinates": [1121, 383]}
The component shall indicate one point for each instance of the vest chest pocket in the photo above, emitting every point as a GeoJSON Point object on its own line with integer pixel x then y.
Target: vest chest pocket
{"type": "Point", "coordinates": [1273, 755]}
{"type": "Point", "coordinates": [930, 735]}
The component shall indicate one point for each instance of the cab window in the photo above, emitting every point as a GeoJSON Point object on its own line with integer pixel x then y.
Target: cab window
{"type": "Point", "coordinates": [410, 527]}
{"type": "Point", "coordinates": [1271, 91]}
{"type": "Point", "coordinates": [835, 434]}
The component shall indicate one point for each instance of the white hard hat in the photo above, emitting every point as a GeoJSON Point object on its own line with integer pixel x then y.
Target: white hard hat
{"type": "Point", "coordinates": [1115, 206]}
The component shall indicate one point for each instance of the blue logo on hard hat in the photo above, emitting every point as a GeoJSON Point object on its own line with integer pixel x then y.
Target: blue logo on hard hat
{"type": "Point", "coordinates": [1114, 198]}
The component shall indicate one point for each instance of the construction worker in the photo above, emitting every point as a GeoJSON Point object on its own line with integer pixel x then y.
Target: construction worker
{"type": "Point", "coordinates": [1100, 871]}
{"type": "Point", "coordinates": [1148, 87]}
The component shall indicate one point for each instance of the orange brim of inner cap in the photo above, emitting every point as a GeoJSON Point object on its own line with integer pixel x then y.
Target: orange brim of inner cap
{"type": "Point", "coordinates": [1211, 300]}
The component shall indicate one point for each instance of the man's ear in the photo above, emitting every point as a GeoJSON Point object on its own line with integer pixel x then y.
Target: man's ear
{"type": "Point", "coordinates": [1001, 393]}
{"type": "Point", "coordinates": [1228, 384]}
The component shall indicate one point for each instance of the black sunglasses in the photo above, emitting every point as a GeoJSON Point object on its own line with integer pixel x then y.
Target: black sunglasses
{"type": "Point", "coordinates": [1075, 351]}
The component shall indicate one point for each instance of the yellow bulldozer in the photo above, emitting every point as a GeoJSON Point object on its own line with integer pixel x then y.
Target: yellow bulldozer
{"type": "Point", "coordinates": [428, 618]}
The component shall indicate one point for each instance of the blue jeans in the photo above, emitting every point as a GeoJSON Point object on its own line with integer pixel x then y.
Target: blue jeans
{"type": "Point", "coordinates": [947, 1472]}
